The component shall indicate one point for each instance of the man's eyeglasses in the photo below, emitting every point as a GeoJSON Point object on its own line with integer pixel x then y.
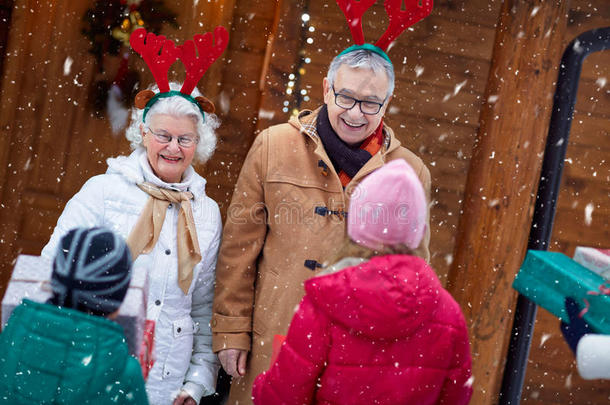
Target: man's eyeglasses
{"type": "Point", "coordinates": [347, 102]}
{"type": "Point", "coordinates": [183, 140]}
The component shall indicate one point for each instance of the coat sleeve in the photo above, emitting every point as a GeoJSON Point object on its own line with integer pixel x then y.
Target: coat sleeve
{"type": "Point", "coordinates": [242, 241]}
{"type": "Point", "coordinates": [200, 379]}
{"type": "Point", "coordinates": [593, 357]}
{"type": "Point", "coordinates": [293, 377]}
{"type": "Point", "coordinates": [84, 209]}
{"type": "Point", "coordinates": [457, 388]}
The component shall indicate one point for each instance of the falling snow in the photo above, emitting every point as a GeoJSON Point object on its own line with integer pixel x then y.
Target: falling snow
{"type": "Point", "coordinates": [438, 114]}
{"type": "Point", "coordinates": [67, 65]}
{"type": "Point", "coordinates": [588, 214]}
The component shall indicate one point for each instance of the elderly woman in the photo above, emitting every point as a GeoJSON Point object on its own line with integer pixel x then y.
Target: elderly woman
{"type": "Point", "coordinates": [156, 200]}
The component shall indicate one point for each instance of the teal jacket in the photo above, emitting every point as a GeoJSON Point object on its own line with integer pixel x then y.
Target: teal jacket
{"type": "Point", "coordinates": [52, 355]}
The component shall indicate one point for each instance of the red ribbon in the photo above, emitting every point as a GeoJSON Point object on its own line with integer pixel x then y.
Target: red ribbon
{"type": "Point", "coordinates": [603, 290]}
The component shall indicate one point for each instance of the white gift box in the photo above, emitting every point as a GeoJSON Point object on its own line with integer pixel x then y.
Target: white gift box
{"type": "Point", "coordinates": [596, 260]}
{"type": "Point", "coordinates": [31, 279]}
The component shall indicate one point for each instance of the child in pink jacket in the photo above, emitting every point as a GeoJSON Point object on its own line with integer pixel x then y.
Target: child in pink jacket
{"type": "Point", "coordinates": [376, 327]}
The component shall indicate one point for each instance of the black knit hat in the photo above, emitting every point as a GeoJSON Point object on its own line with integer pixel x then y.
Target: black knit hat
{"type": "Point", "coordinates": [91, 271]}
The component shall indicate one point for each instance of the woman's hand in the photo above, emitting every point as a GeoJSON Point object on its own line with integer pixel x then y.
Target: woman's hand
{"type": "Point", "coordinates": [233, 361]}
{"type": "Point", "coordinates": [577, 327]}
{"type": "Point", "coordinates": [184, 399]}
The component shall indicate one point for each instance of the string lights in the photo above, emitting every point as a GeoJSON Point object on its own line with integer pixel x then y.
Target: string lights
{"type": "Point", "coordinates": [293, 89]}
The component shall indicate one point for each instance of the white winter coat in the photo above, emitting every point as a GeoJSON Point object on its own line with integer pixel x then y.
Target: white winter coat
{"type": "Point", "coordinates": [183, 343]}
{"type": "Point", "coordinates": [593, 357]}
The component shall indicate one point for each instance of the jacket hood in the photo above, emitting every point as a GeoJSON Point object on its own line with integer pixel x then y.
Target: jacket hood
{"type": "Point", "coordinates": [71, 352]}
{"type": "Point", "coordinates": [136, 169]}
{"type": "Point", "coordinates": [386, 297]}
{"type": "Point", "coordinates": [305, 122]}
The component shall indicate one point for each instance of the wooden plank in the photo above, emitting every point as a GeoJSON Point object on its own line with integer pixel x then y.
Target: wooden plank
{"type": "Point", "coordinates": [591, 130]}
{"type": "Point", "coordinates": [448, 173]}
{"type": "Point", "coordinates": [565, 227]}
{"type": "Point", "coordinates": [585, 162]}
{"type": "Point", "coordinates": [87, 155]}
{"type": "Point", "coordinates": [242, 67]}
{"type": "Point", "coordinates": [35, 222]}
{"type": "Point", "coordinates": [597, 65]}
{"type": "Point", "coordinates": [258, 8]}
{"type": "Point", "coordinates": [474, 12]}
{"type": "Point", "coordinates": [586, 15]}
{"type": "Point", "coordinates": [435, 33]}
{"type": "Point", "coordinates": [243, 102]}
{"type": "Point", "coordinates": [441, 138]}
{"type": "Point", "coordinates": [578, 192]}
{"type": "Point", "coordinates": [592, 97]}
{"type": "Point", "coordinates": [442, 69]}
{"type": "Point", "coordinates": [43, 201]}
{"type": "Point", "coordinates": [444, 215]}
{"type": "Point", "coordinates": [254, 39]}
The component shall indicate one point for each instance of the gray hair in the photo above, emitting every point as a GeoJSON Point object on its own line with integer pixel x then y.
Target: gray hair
{"type": "Point", "coordinates": [178, 107]}
{"type": "Point", "coordinates": [362, 58]}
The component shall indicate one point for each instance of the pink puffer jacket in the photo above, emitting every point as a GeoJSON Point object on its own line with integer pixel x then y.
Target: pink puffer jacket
{"type": "Point", "coordinates": [382, 332]}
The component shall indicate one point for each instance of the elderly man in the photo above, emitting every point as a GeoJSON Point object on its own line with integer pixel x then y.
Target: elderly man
{"type": "Point", "coordinates": [288, 209]}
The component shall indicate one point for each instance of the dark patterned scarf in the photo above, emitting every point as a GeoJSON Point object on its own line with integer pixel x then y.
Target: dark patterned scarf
{"type": "Point", "coordinates": [346, 159]}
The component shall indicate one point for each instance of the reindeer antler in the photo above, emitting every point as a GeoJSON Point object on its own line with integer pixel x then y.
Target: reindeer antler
{"type": "Point", "coordinates": [401, 20]}
{"type": "Point", "coordinates": [158, 53]}
{"type": "Point", "coordinates": [196, 66]}
{"type": "Point", "coordinates": [353, 10]}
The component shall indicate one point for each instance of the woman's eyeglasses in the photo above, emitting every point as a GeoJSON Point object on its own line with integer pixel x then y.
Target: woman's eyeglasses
{"type": "Point", "coordinates": [183, 140]}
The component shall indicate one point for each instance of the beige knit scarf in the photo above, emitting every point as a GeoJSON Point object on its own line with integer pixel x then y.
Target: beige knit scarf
{"type": "Point", "coordinates": [145, 233]}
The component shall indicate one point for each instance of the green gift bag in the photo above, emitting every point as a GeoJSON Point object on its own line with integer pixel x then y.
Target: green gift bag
{"type": "Point", "coordinates": [547, 278]}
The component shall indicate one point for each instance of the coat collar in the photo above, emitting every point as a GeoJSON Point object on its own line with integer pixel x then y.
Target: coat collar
{"type": "Point", "coordinates": [136, 169]}
{"type": "Point", "coordinates": [305, 122]}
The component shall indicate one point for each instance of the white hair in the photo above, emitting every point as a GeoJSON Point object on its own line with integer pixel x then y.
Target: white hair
{"type": "Point", "coordinates": [177, 107]}
{"type": "Point", "coordinates": [362, 58]}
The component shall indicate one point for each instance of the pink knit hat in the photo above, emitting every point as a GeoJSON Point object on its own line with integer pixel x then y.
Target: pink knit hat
{"type": "Point", "coordinates": [388, 208]}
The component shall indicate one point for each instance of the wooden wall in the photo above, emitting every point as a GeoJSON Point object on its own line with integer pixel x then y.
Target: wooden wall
{"type": "Point", "coordinates": [50, 143]}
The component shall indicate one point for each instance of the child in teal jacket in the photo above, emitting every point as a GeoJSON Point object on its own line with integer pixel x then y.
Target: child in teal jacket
{"type": "Point", "coordinates": [65, 351]}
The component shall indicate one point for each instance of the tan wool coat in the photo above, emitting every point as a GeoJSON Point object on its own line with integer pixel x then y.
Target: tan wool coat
{"type": "Point", "coordinates": [274, 225]}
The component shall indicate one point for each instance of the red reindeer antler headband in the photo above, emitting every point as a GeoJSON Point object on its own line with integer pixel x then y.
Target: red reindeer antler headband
{"type": "Point", "coordinates": [160, 53]}
{"type": "Point", "coordinates": [400, 20]}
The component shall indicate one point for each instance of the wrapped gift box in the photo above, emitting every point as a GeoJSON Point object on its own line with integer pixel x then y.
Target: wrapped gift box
{"type": "Point", "coordinates": [146, 358]}
{"type": "Point", "coordinates": [547, 278]}
{"type": "Point", "coordinates": [597, 260]}
{"type": "Point", "coordinates": [31, 279]}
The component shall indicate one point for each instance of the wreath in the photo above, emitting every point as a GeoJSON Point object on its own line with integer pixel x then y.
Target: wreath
{"type": "Point", "coordinates": [107, 26]}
